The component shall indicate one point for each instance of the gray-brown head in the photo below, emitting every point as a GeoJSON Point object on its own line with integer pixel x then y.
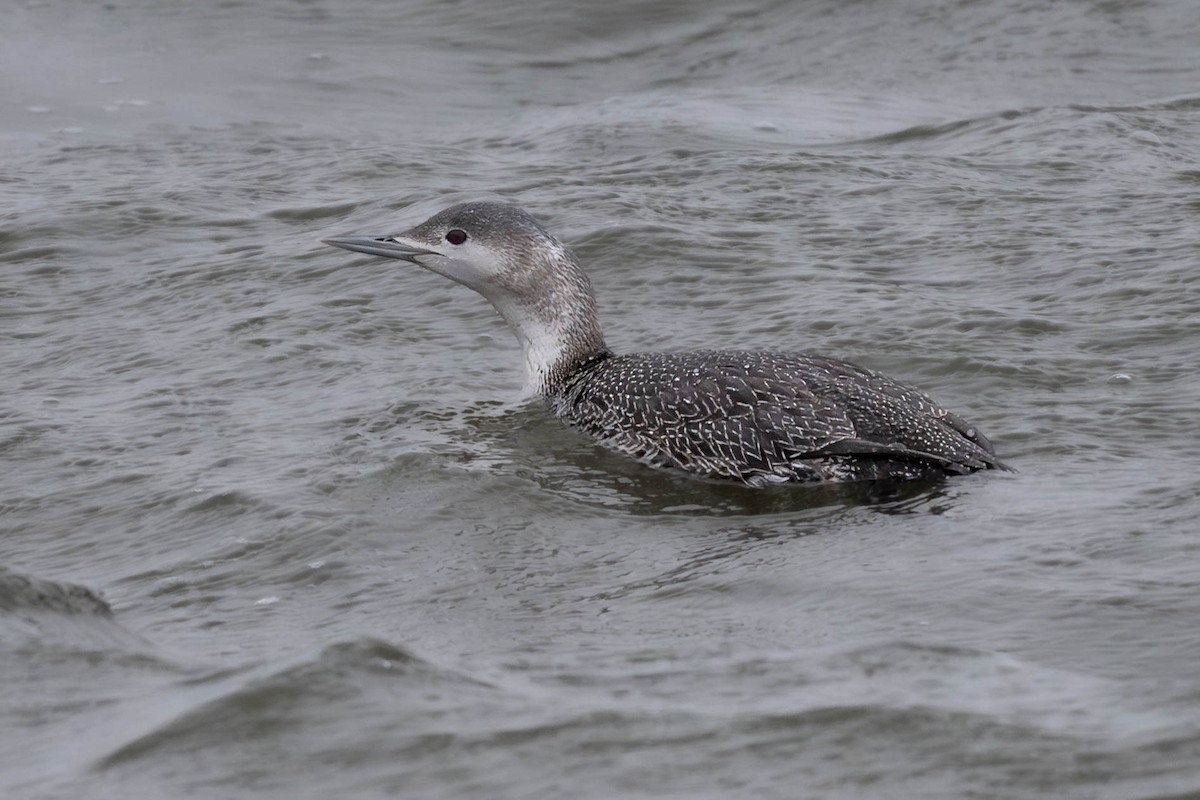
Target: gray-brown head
{"type": "Point", "coordinates": [531, 278]}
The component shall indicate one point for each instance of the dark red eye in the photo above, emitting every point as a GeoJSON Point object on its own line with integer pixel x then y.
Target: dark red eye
{"type": "Point", "coordinates": [456, 236]}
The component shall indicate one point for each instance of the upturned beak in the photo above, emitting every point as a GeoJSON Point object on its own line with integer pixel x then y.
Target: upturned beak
{"type": "Point", "coordinates": [385, 246]}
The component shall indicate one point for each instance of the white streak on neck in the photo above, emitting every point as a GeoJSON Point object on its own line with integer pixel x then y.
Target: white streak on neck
{"type": "Point", "coordinates": [543, 346]}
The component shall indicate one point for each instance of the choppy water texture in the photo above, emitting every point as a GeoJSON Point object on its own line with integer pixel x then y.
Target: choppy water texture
{"type": "Point", "coordinates": [274, 522]}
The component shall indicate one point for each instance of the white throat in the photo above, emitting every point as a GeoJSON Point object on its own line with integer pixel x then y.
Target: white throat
{"type": "Point", "coordinates": [545, 346]}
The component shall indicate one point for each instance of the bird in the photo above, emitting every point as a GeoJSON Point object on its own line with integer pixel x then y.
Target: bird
{"type": "Point", "coordinates": [760, 418]}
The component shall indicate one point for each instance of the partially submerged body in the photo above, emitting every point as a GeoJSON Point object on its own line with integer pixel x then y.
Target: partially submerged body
{"type": "Point", "coordinates": [757, 417]}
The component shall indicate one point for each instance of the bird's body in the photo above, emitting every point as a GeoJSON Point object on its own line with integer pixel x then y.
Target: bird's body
{"type": "Point", "coordinates": [757, 417]}
{"type": "Point", "coordinates": [765, 417]}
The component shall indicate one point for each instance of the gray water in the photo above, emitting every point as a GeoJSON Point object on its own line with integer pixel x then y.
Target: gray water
{"type": "Point", "coordinates": [276, 522]}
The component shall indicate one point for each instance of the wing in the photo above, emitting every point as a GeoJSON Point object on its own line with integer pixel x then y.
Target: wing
{"type": "Point", "coordinates": [765, 417]}
{"type": "Point", "coordinates": [885, 411]}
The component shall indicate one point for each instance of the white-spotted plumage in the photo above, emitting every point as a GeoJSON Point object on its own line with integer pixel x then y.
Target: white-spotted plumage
{"type": "Point", "coordinates": [757, 417]}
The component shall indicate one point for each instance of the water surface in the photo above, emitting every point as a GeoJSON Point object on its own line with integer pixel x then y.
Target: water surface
{"type": "Point", "coordinates": [274, 521]}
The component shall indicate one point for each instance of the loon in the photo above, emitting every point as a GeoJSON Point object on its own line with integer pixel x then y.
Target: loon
{"type": "Point", "coordinates": [758, 417]}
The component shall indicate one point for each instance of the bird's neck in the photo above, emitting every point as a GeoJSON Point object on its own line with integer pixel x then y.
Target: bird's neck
{"type": "Point", "coordinates": [554, 347]}
{"type": "Point", "coordinates": [552, 311]}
